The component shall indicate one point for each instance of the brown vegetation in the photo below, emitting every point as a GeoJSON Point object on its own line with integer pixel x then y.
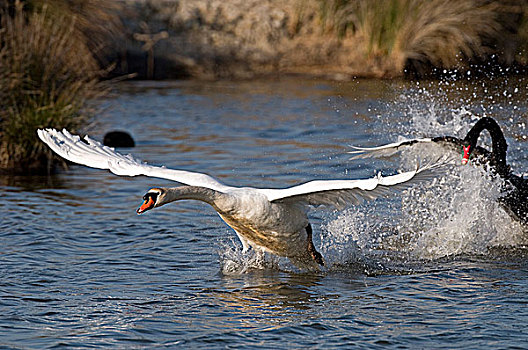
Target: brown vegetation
{"type": "Point", "coordinates": [333, 38]}
{"type": "Point", "coordinates": [48, 76]}
{"type": "Point", "coordinates": [421, 35]}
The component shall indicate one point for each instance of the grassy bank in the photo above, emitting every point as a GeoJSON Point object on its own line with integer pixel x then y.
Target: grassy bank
{"type": "Point", "coordinates": [48, 76]}
{"type": "Point", "coordinates": [419, 37]}
{"type": "Point", "coordinates": [216, 39]}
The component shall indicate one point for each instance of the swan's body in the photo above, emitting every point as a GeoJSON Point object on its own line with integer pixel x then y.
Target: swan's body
{"type": "Point", "coordinates": [273, 220]}
{"type": "Point", "coordinates": [257, 221]}
{"type": "Point", "coordinates": [515, 198]}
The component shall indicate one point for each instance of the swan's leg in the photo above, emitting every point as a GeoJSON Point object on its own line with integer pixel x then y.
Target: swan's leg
{"type": "Point", "coordinates": [311, 249]}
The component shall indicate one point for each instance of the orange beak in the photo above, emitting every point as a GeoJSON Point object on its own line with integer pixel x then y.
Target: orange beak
{"type": "Point", "coordinates": [148, 204]}
{"type": "Point", "coordinates": [465, 157]}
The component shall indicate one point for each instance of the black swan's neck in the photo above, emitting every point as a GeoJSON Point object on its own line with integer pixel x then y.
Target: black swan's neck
{"type": "Point", "coordinates": [499, 145]}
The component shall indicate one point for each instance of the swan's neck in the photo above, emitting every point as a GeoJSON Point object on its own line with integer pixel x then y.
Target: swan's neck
{"type": "Point", "coordinates": [203, 194]}
{"type": "Point", "coordinates": [499, 145]}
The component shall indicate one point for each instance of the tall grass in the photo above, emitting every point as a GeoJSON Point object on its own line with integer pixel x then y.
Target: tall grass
{"type": "Point", "coordinates": [48, 76]}
{"type": "Point", "coordinates": [522, 38]}
{"type": "Point", "coordinates": [96, 21]}
{"type": "Point", "coordinates": [416, 34]}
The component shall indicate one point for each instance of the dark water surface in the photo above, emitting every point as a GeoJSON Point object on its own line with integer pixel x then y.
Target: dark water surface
{"type": "Point", "coordinates": [440, 266]}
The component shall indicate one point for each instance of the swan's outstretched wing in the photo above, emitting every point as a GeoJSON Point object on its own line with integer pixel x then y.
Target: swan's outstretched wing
{"type": "Point", "coordinates": [93, 154]}
{"type": "Point", "coordinates": [343, 193]}
{"type": "Point", "coordinates": [449, 142]}
{"type": "Point", "coordinates": [385, 150]}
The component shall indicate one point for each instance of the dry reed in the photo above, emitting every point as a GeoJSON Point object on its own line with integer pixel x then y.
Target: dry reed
{"type": "Point", "coordinates": [48, 75]}
{"type": "Point", "coordinates": [396, 34]}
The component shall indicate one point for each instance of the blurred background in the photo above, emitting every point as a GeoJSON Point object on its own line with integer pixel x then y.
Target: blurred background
{"type": "Point", "coordinates": [57, 57]}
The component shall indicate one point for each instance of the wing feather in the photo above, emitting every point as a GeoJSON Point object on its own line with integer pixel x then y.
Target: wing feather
{"type": "Point", "coordinates": [449, 142]}
{"type": "Point", "coordinates": [95, 155]}
{"type": "Point", "coordinates": [384, 150]}
{"type": "Point", "coordinates": [336, 193]}
{"type": "Point", "coordinates": [342, 193]}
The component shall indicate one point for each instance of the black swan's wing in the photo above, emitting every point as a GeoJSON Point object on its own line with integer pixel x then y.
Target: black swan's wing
{"type": "Point", "coordinates": [448, 142]}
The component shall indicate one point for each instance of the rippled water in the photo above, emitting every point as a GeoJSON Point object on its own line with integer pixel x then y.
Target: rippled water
{"type": "Point", "coordinates": [438, 266]}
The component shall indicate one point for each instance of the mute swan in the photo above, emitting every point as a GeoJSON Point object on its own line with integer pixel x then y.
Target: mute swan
{"type": "Point", "coordinates": [515, 197]}
{"type": "Point", "coordinates": [272, 220]}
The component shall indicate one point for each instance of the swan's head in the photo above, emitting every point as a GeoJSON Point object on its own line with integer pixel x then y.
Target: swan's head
{"type": "Point", "coordinates": [467, 153]}
{"type": "Point", "coordinates": [151, 200]}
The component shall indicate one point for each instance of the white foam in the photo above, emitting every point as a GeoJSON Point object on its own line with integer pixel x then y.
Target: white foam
{"type": "Point", "coordinates": [235, 262]}
{"type": "Point", "coordinates": [456, 214]}
{"type": "Point", "coordinates": [460, 214]}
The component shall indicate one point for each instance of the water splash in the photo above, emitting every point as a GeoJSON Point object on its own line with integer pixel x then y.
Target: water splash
{"type": "Point", "coordinates": [342, 240]}
{"type": "Point", "coordinates": [456, 214]}
{"type": "Point", "coordinates": [234, 261]}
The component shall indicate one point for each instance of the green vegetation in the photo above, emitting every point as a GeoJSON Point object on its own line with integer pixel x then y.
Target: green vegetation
{"type": "Point", "coordinates": [48, 75]}
{"type": "Point", "coordinates": [420, 35]}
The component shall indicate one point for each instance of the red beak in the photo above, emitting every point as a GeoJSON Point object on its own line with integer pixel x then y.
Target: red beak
{"type": "Point", "coordinates": [465, 157]}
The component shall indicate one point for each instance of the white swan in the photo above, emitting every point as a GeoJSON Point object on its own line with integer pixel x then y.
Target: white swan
{"type": "Point", "coordinates": [273, 220]}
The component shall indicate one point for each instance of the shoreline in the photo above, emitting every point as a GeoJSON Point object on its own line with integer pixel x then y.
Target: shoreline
{"type": "Point", "coordinates": [236, 39]}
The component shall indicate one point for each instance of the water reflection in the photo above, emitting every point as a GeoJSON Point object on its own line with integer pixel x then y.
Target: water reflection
{"type": "Point", "coordinates": [274, 290]}
{"type": "Point", "coordinates": [31, 183]}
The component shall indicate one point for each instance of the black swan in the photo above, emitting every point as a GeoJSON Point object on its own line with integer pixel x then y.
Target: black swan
{"type": "Point", "coordinates": [515, 197]}
{"type": "Point", "coordinates": [272, 220]}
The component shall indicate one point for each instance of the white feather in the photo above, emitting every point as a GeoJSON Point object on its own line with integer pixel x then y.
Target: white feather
{"type": "Point", "coordinates": [328, 192]}
{"type": "Point", "coordinates": [384, 150]}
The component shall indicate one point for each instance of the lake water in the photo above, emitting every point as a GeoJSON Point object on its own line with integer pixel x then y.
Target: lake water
{"type": "Point", "coordinates": [439, 266]}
